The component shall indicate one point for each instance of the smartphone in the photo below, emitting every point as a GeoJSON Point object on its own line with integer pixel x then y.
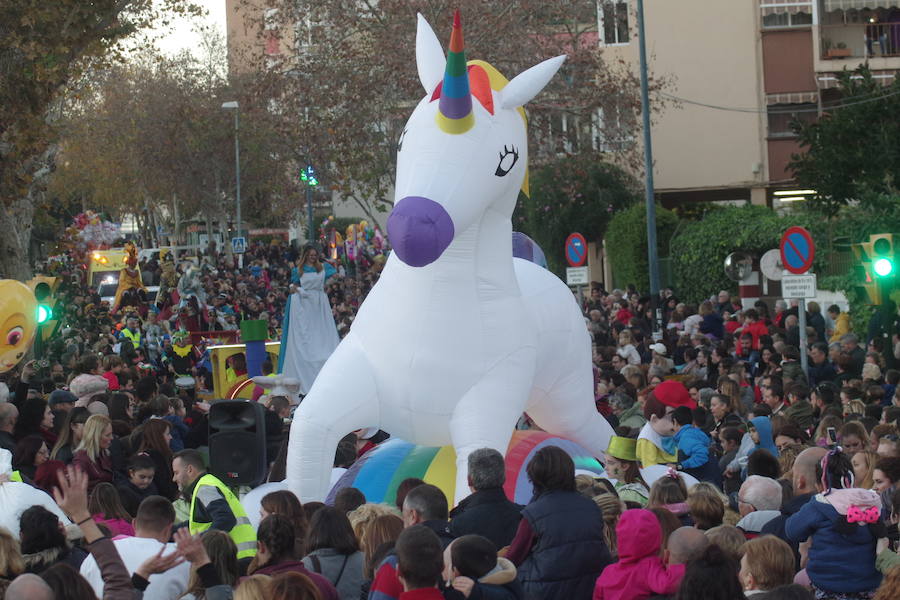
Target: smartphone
{"type": "Point", "coordinates": [832, 436]}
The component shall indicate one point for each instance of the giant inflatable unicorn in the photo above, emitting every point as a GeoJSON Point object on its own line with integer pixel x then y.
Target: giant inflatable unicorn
{"type": "Point", "coordinates": [458, 338]}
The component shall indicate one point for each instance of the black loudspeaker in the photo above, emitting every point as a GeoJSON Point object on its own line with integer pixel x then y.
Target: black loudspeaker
{"type": "Point", "coordinates": [237, 442]}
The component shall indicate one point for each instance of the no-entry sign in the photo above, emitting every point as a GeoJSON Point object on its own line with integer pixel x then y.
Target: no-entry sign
{"type": "Point", "coordinates": [797, 250]}
{"type": "Point", "coordinates": [576, 250]}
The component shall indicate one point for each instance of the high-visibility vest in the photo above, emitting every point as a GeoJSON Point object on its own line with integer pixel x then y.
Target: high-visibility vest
{"type": "Point", "coordinates": [16, 476]}
{"type": "Point", "coordinates": [133, 336]}
{"type": "Point", "coordinates": [243, 534]}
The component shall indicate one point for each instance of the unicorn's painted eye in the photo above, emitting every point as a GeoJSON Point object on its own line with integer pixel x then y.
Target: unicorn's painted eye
{"type": "Point", "coordinates": [400, 143]}
{"type": "Point", "coordinates": [508, 159]}
{"type": "Point", "coordinates": [14, 336]}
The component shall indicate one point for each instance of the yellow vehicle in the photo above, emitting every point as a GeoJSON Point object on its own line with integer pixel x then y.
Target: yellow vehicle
{"type": "Point", "coordinates": [103, 270]}
{"type": "Point", "coordinates": [234, 387]}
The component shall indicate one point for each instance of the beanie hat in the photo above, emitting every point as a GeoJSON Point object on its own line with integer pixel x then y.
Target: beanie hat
{"type": "Point", "coordinates": [673, 393]}
{"type": "Point", "coordinates": [61, 397]}
{"type": "Point", "coordinates": [87, 386]}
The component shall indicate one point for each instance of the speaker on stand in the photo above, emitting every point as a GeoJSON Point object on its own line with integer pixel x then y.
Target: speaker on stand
{"type": "Point", "coordinates": [237, 442]}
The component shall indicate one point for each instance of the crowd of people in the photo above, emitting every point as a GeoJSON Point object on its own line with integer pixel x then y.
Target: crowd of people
{"type": "Point", "coordinates": [777, 482]}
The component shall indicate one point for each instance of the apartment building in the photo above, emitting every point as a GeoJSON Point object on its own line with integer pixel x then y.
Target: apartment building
{"type": "Point", "coordinates": [743, 70]}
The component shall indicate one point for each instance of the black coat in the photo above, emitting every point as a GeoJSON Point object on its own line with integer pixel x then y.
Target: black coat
{"type": "Point", "coordinates": [487, 513]}
{"type": "Point", "coordinates": [776, 526]}
{"type": "Point", "coordinates": [569, 551]}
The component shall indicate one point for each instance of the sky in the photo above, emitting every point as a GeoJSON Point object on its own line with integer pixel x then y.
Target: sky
{"type": "Point", "coordinates": [181, 35]}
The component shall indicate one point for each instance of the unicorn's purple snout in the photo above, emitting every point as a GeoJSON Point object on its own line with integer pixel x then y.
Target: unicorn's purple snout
{"type": "Point", "coordinates": [420, 230]}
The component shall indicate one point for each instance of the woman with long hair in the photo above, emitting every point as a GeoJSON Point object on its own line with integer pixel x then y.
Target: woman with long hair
{"type": "Point", "coordinates": [35, 418]}
{"type": "Point", "coordinates": [106, 507]}
{"type": "Point", "coordinates": [155, 437]}
{"type": "Point", "coordinates": [284, 502]}
{"type": "Point", "coordinates": [309, 333]}
{"type": "Point", "coordinates": [31, 452]}
{"type": "Point", "coordinates": [70, 435]}
{"type": "Point", "coordinates": [222, 554]}
{"type": "Point", "coordinates": [334, 552]}
{"type": "Point", "coordinates": [377, 539]}
{"type": "Point", "coordinates": [92, 454]}
{"type": "Point", "coordinates": [612, 507]}
{"type": "Point", "coordinates": [274, 555]}
{"type": "Point", "coordinates": [11, 563]}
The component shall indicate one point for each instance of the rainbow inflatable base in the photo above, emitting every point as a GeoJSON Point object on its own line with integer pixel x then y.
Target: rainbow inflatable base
{"type": "Point", "coordinates": [379, 472]}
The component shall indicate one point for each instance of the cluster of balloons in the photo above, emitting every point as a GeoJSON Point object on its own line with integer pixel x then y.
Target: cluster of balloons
{"type": "Point", "coordinates": [359, 242]}
{"type": "Point", "coordinates": [89, 231]}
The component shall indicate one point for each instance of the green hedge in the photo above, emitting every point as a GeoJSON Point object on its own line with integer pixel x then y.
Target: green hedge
{"type": "Point", "coordinates": [626, 243]}
{"type": "Point", "coordinates": [700, 247]}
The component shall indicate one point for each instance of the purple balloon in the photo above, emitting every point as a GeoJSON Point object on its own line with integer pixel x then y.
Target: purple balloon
{"type": "Point", "coordinates": [420, 230]}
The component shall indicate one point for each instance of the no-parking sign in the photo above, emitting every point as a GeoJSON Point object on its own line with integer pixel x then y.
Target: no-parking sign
{"type": "Point", "coordinates": [576, 250]}
{"type": "Point", "coordinates": [797, 250]}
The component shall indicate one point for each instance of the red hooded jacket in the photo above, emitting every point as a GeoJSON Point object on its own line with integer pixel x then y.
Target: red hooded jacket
{"type": "Point", "coordinates": [640, 572]}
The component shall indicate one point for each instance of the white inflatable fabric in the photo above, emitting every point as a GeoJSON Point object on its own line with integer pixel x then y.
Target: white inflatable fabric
{"type": "Point", "coordinates": [457, 338]}
{"type": "Point", "coordinates": [17, 497]}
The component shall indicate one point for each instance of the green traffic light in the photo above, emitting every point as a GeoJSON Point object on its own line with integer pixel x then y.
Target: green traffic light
{"type": "Point", "coordinates": [43, 313]}
{"type": "Point", "coordinates": [883, 267]}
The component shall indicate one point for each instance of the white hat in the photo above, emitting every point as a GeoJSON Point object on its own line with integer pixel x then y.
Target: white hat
{"type": "Point", "coordinates": [659, 348]}
{"type": "Point", "coordinates": [280, 385]}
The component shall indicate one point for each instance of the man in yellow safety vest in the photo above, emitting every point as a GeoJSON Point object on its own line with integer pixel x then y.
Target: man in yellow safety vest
{"type": "Point", "coordinates": [213, 505]}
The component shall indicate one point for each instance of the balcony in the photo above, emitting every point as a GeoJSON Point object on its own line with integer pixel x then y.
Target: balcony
{"type": "Point", "coordinates": [859, 40]}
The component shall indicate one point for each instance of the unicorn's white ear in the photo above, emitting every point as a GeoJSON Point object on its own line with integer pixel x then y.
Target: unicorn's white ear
{"type": "Point", "coordinates": [430, 59]}
{"type": "Point", "coordinates": [528, 84]}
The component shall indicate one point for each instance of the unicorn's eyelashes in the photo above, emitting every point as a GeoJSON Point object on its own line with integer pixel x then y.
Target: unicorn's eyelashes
{"type": "Point", "coordinates": [508, 159]}
{"type": "Point", "coordinates": [400, 142]}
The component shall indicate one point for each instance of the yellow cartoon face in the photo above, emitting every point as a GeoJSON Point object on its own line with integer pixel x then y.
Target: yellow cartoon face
{"type": "Point", "coordinates": [18, 322]}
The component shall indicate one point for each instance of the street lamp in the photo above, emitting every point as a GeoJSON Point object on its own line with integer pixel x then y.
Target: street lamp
{"type": "Point", "coordinates": [233, 105]}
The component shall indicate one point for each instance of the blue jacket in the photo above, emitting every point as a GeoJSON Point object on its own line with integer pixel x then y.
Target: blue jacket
{"type": "Point", "coordinates": [569, 552]}
{"type": "Point", "coordinates": [695, 446]}
{"type": "Point", "coordinates": [838, 562]}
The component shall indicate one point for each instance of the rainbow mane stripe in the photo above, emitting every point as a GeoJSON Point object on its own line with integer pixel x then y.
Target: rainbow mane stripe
{"type": "Point", "coordinates": [378, 473]}
{"type": "Point", "coordinates": [455, 109]}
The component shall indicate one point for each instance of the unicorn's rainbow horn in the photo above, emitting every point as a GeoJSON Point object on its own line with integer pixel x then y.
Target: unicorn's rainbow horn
{"type": "Point", "coordinates": [455, 108]}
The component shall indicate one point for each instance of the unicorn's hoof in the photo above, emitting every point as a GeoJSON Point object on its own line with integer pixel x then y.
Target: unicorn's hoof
{"type": "Point", "coordinates": [420, 230]}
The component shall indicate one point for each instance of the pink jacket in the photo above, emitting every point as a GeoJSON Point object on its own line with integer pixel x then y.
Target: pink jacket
{"type": "Point", "coordinates": [640, 572]}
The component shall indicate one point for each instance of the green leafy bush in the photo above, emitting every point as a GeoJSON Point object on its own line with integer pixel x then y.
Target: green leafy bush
{"type": "Point", "coordinates": [700, 247]}
{"type": "Point", "coordinates": [626, 243]}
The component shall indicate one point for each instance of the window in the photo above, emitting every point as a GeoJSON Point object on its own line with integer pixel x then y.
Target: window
{"type": "Point", "coordinates": [785, 19]}
{"type": "Point", "coordinates": [613, 127]}
{"type": "Point", "coordinates": [786, 13]}
{"type": "Point", "coordinates": [614, 21]}
{"type": "Point", "coordinates": [781, 116]}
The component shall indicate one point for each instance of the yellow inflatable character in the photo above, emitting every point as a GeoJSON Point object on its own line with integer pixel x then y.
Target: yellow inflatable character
{"type": "Point", "coordinates": [18, 322]}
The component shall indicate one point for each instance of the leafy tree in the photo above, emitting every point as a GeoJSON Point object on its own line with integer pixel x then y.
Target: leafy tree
{"type": "Point", "coordinates": [851, 150]}
{"type": "Point", "coordinates": [45, 48]}
{"type": "Point", "coordinates": [344, 74]}
{"type": "Point", "coordinates": [626, 243]}
{"type": "Point", "coordinates": [574, 193]}
{"type": "Point", "coordinates": [153, 133]}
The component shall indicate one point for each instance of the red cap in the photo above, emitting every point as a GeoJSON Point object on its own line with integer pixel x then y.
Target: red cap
{"type": "Point", "coordinates": [673, 393]}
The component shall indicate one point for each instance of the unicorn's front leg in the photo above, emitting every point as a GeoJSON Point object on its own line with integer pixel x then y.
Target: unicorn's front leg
{"type": "Point", "coordinates": [487, 415]}
{"type": "Point", "coordinates": [342, 399]}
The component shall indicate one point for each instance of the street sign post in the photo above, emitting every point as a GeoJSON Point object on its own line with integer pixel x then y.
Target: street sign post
{"type": "Point", "coordinates": [577, 276]}
{"type": "Point", "coordinates": [576, 250]}
{"type": "Point", "coordinates": [799, 286]}
{"type": "Point", "coordinates": [797, 253]}
{"type": "Point", "coordinates": [576, 255]}
{"type": "Point", "coordinates": [797, 250]}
